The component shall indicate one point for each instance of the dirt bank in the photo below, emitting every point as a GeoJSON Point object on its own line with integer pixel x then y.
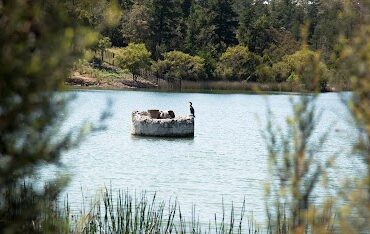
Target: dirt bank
{"type": "Point", "coordinates": [82, 80]}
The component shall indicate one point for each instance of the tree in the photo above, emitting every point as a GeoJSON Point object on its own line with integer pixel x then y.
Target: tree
{"type": "Point", "coordinates": [238, 63]}
{"type": "Point", "coordinates": [288, 14]}
{"type": "Point", "coordinates": [179, 65]}
{"type": "Point", "coordinates": [126, 4]}
{"type": "Point", "coordinates": [254, 25]}
{"type": "Point", "coordinates": [327, 28]}
{"type": "Point", "coordinates": [134, 57]}
{"type": "Point", "coordinates": [200, 36]}
{"type": "Point", "coordinates": [40, 43]}
{"type": "Point", "coordinates": [224, 22]}
{"type": "Point", "coordinates": [281, 71]}
{"type": "Point", "coordinates": [246, 16]}
{"type": "Point", "coordinates": [264, 74]}
{"type": "Point", "coordinates": [136, 24]}
{"type": "Point", "coordinates": [298, 67]}
{"type": "Point", "coordinates": [114, 33]}
{"type": "Point", "coordinates": [166, 22]}
{"type": "Point", "coordinates": [186, 5]}
{"type": "Point", "coordinates": [297, 163]}
{"type": "Point", "coordinates": [282, 43]}
{"type": "Point", "coordinates": [313, 16]}
{"type": "Point", "coordinates": [354, 58]}
{"type": "Point", "coordinates": [296, 167]}
{"type": "Point", "coordinates": [102, 44]}
{"type": "Point", "coordinates": [97, 16]}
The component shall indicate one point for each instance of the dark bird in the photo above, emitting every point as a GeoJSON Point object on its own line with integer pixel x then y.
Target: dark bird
{"type": "Point", "coordinates": [192, 109]}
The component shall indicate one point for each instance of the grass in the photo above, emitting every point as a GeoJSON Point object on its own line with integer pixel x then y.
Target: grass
{"type": "Point", "coordinates": [103, 73]}
{"type": "Point", "coordinates": [126, 214]}
{"type": "Point", "coordinates": [240, 85]}
{"type": "Point", "coordinates": [108, 74]}
{"type": "Point", "coordinates": [121, 212]}
{"type": "Point", "coordinates": [212, 85]}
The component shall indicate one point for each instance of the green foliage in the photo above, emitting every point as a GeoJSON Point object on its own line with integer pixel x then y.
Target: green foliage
{"type": "Point", "coordinates": [25, 210]}
{"type": "Point", "coordinates": [165, 25]}
{"type": "Point", "coordinates": [283, 43]}
{"type": "Point", "coordinates": [264, 74]}
{"type": "Point", "coordinates": [293, 153]}
{"type": "Point", "coordinates": [254, 25]}
{"type": "Point", "coordinates": [238, 63]}
{"type": "Point", "coordinates": [211, 27]}
{"type": "Point", "coordinates": [121, 212]}
{"type": "Point", "coordinates": [223, 22]}
{"type": "Point", "coordinates": [296, 169]}
{"type": "Point", "coordinates": [134, 57]}
{"type": "Point", "coordinates": [40, 41]}
{"type": "Point", "coordinates": [95, 14]}
{"type": "Point", "coordinates": [102, 73]}
{"type": "Point", "coordinates": [207, 28]}
{"type": "Point", "coordinates": [136, 24]}
{"type": "Point", "coordinates": [298, 67]}
{"type": "Point", "coordinates": [326, 24]}
{"type": "Point", "coordinates": [102, 44]}
{"type": "Point", "coordinates": [210, 64]}
{"type": "Point", "coordinates": [200, 32]}
{"type": "Point", "coordinates": [288, 14]}
{"type": "Point", "coordinates": [354, 57]}
{"type": "Point", "coordinates": [179, 65]}
{"type": "Point", "coordinates": [281, 71]}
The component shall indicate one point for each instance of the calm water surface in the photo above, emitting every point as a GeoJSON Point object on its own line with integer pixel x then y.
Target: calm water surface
{"type": "Point", "coordinates": [226, 160]}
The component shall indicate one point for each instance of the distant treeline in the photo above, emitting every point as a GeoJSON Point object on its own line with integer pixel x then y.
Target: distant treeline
{"type": "Point", "coordinates": [254, 40]}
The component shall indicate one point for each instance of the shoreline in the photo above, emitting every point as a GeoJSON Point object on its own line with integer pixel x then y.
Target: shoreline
{"type": "Point", "coordinates": [81, 82]}
{"type": "Point", "coordinates": [97, 89]}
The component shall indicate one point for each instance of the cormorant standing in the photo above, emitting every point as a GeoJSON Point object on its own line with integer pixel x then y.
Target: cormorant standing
{"type": "Point", "coordinates": [192, 109]}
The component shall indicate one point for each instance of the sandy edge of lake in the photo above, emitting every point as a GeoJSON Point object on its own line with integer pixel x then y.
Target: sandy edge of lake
{"type": "Point", "coordinates": [81, 80]}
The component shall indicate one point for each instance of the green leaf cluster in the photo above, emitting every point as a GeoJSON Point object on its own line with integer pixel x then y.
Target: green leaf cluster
{"type": "Point", "coordinates": [134, 57]}
{"type": "Point", "coordinates": [207, 28]}
{"type": "Point", "coordinates": [179, 65]}
{"type": "Point", "coordinates": [238, 63]}
{"type": "Point", "coordinates": [40, 41]}
{"type": "Point", "coordinates": [297, 67]}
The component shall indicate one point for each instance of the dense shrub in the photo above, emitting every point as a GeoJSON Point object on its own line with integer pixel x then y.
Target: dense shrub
{"type": "Point", "coordinates": [102, 44]}
{"type": "Point", "coordinates": [210, 64]}
{"type": "Point", "coordinates": [40, 42]}
{"type": "Point", "coordinates": [179, 65]}
{"type": "Point", "coordinates": [134, 58]}
{"type": "Point", "coordinates": [283, 43]}
{"type": "Point", "coordinates": [264, 74]}
{"type": "Point", "coordinates": [238, 63]}
{"type": "Point", "coordinates": [304, 66]}
{"type": "Point", "coordinates": [281, 71]}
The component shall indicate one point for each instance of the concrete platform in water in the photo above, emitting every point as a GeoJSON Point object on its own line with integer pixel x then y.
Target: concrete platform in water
{"type": "Point", "coordinates": [161, 124]}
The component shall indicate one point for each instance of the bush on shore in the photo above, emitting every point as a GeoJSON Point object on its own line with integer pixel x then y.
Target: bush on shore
{"type": "Point", "coordinates": [179, 65]}
{"type": "Point", "coordinates": [297, 68]}
{"type": "Point", "coordinates": [238, 63]}
{"type": "Point", "coordinates": [134, 58]}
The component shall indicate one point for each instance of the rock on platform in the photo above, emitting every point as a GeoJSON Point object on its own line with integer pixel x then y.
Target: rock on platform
{"type": "Point", "coordinates": [144, 125]}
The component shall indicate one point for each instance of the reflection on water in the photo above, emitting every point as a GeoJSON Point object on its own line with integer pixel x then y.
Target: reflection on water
{"type": "Point", "coordinates": [226, 159]}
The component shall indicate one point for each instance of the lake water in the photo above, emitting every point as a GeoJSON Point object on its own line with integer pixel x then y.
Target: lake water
{"type": "Point", "coordinates": [226, 160]}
